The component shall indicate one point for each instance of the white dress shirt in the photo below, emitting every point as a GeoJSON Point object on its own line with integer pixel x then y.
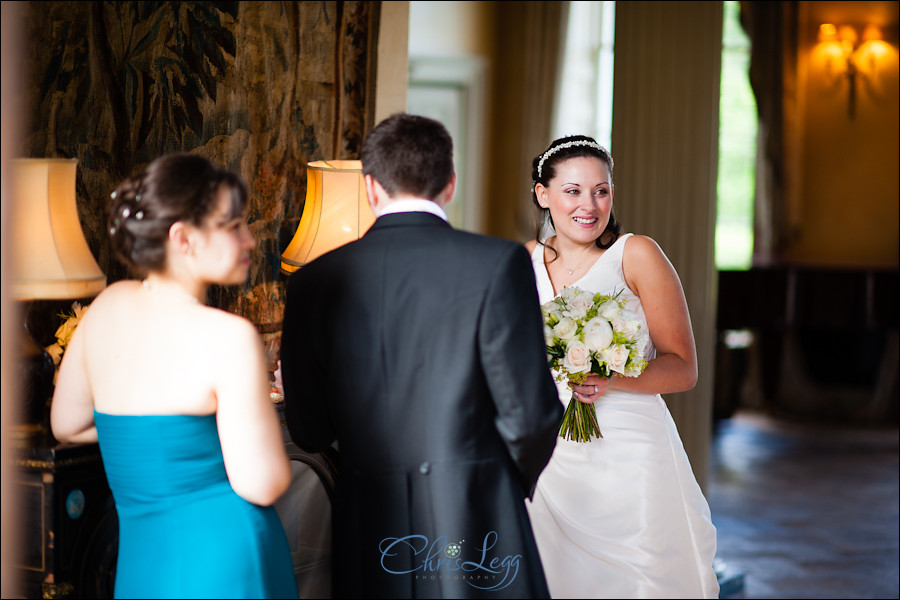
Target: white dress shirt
{"type": "Point", "coordinates": [414, 205]}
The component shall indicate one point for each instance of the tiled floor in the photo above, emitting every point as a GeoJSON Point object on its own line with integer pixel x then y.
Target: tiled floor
{"type": "Point", "coordinates": [805, 511]}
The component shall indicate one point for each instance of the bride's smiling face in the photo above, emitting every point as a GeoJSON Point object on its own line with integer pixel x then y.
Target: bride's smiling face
{"type": "Point", "coordinates": [579, 198]}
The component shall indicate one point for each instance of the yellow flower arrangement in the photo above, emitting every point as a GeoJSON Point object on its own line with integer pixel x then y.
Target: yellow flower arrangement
{"type": "Point", "coordinates": [64, 334]}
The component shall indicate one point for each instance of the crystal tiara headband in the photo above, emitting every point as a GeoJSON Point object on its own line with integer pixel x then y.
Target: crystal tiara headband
{"type": "Point", "coordinates": [571, 144]}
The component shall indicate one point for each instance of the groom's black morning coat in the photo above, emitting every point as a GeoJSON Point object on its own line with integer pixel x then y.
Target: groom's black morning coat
{"type": "Point", "coordinates": [419, 348]}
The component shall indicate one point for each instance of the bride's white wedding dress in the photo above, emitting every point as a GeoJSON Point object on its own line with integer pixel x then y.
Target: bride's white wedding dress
{"type": "Point", "coordinates": [622, 516]}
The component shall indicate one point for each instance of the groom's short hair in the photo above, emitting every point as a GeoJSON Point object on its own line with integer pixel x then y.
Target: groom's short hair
{"type": "Point", "coordinates": [409, 154]}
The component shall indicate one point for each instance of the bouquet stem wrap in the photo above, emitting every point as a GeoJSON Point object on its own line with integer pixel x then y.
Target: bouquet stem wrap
{"type": "Point", "coordinates": [579, 423]}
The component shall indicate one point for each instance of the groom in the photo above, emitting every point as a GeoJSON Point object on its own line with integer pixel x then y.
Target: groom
{"type": "Point", "coordinates": [420, 349]}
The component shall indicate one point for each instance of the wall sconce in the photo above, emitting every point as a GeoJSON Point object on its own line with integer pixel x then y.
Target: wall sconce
{"type": "Point", "coordinates": [336, 212]}
{"type": "Point", "coordinates": [51, 261]}
{"type": "Point", "coordinates": [847, 58]}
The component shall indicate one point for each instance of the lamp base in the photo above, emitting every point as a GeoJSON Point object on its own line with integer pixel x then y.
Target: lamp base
{"type": "Point", "coordinates": [35, 383]}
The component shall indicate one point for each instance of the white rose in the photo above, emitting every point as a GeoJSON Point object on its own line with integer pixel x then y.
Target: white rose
{"type": "Point", "coordinates": [635, 367]}
{"type": "Point", "coordinates": [598, 334]}
{"type": "Point", "coordinates": [553, 309]}
{"type": "Point", "coordinates": [567, 293]}
{"type": "Point", "coordinates": [640, 346]}
{"type": "Point", "coordinates": [548, 335]}
{"type": "Point", "coordinates": [615, 358]}
{"type": "Point", "coordinates": [577, 358]}
{"type": "Point", "coordinates": [577, 306]}
{"type": "Point", "coordinates": [627, 324]}
{"type": "Point", "coordinates": [565, 329]}
{"type": "Point", "coordinates": [609, 310]}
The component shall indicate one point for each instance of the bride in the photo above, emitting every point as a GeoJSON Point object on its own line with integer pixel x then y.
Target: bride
{"type": "Point", "coordinates": [621, 516]}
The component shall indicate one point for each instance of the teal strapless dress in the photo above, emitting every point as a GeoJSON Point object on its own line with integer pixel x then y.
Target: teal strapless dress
{"type": "Point", "coordinates": [183, 531]}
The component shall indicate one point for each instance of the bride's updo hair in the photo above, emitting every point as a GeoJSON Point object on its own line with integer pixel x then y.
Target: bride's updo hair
{"type": "Point", "coordinates": [175, 187]}
{"type": "Point", "coordinates": [543, 170]}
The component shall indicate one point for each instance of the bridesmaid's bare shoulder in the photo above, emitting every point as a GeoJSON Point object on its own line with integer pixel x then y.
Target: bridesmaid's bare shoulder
{"type": "Point", "coordinates": [114, 294]}
{"type": "Point", "coordinates": [123, 286]}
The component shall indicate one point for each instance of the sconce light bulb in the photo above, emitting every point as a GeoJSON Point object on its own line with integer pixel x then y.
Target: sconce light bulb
{"type": "Point", "coordinates": [871, 33]}
{"type": "Point", "coordinates": [827, 32]}
{"type": "Point", "coordinates": [848, 35]}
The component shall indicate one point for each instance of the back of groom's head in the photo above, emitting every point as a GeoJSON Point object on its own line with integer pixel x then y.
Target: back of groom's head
{"type": "Point", "coordinates": [409, 155]}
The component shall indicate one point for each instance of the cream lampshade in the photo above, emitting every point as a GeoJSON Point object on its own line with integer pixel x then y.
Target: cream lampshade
{"type": "Point", "coordinates": [51, 259]}
{"type": "Point", "coordinates": [336, 212]}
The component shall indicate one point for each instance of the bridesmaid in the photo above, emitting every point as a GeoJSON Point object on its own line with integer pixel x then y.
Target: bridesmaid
{"type": "Point", "coordinates": [176, 393]}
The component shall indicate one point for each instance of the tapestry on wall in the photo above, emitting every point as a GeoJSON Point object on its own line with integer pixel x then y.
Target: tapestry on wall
{"type": "Point", "coordinates": [261, 88]}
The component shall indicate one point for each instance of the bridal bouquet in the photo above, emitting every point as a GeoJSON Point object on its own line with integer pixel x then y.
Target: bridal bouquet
{"type": "Point", "coordinates": [590, 333]}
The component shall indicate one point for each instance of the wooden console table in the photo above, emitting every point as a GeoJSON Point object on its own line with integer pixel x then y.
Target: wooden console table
{"type": "Point", "coordinates": [69, 527]}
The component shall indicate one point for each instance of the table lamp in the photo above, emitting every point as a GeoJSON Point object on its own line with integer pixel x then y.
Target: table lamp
{"type": "Point", "coordinates": [336, 212]}
{"type": "Point", "coordinates": [50, 261]}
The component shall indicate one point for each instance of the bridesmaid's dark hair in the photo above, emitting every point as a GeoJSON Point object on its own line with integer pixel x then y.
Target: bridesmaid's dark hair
{"type": "Point", "coordinates": [543, 169]}
{"type": "Point", "coordinates": [175, 187]}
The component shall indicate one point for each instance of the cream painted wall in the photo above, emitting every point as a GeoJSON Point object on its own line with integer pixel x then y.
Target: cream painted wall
{"type": "Point", "coordinates": [451, 28]}
{"type": "Point", "coordinates": [843, 188]}
{"type": "Point", "coordinates": [451, 54]}
{"type": "Point", "coordinates": [391, 80]}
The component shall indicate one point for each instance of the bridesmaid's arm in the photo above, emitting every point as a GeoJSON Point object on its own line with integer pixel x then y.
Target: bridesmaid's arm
{"type": "Point", "coordinates": [72, 407]}
{"type": "Point", "coordinates": [651, 276]}
{"type": "Point", "coordinates": [252, 443]}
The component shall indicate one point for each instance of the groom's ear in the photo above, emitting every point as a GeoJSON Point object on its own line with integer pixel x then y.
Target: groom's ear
{"type": "Point", "coordinates": [446, 195]}
{"type": "Point", "coordinates": [375, 194]}
{"type": "Point", "coordinates": [370, 191]}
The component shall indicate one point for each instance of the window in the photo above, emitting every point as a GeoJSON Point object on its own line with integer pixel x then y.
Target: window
{"type": "Point", "coordinates": [586, 73]}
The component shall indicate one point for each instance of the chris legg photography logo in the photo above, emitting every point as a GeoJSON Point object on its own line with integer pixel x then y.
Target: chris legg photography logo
{"type": "Point", "coordinates": [442, 559]}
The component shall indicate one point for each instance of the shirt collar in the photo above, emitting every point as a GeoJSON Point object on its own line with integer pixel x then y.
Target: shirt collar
{"type": "Point", "coordinates": [414, 205]}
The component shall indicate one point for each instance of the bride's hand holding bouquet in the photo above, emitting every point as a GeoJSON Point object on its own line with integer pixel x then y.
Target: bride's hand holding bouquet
{"type": "Point", "coordinates": [591, 389]}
